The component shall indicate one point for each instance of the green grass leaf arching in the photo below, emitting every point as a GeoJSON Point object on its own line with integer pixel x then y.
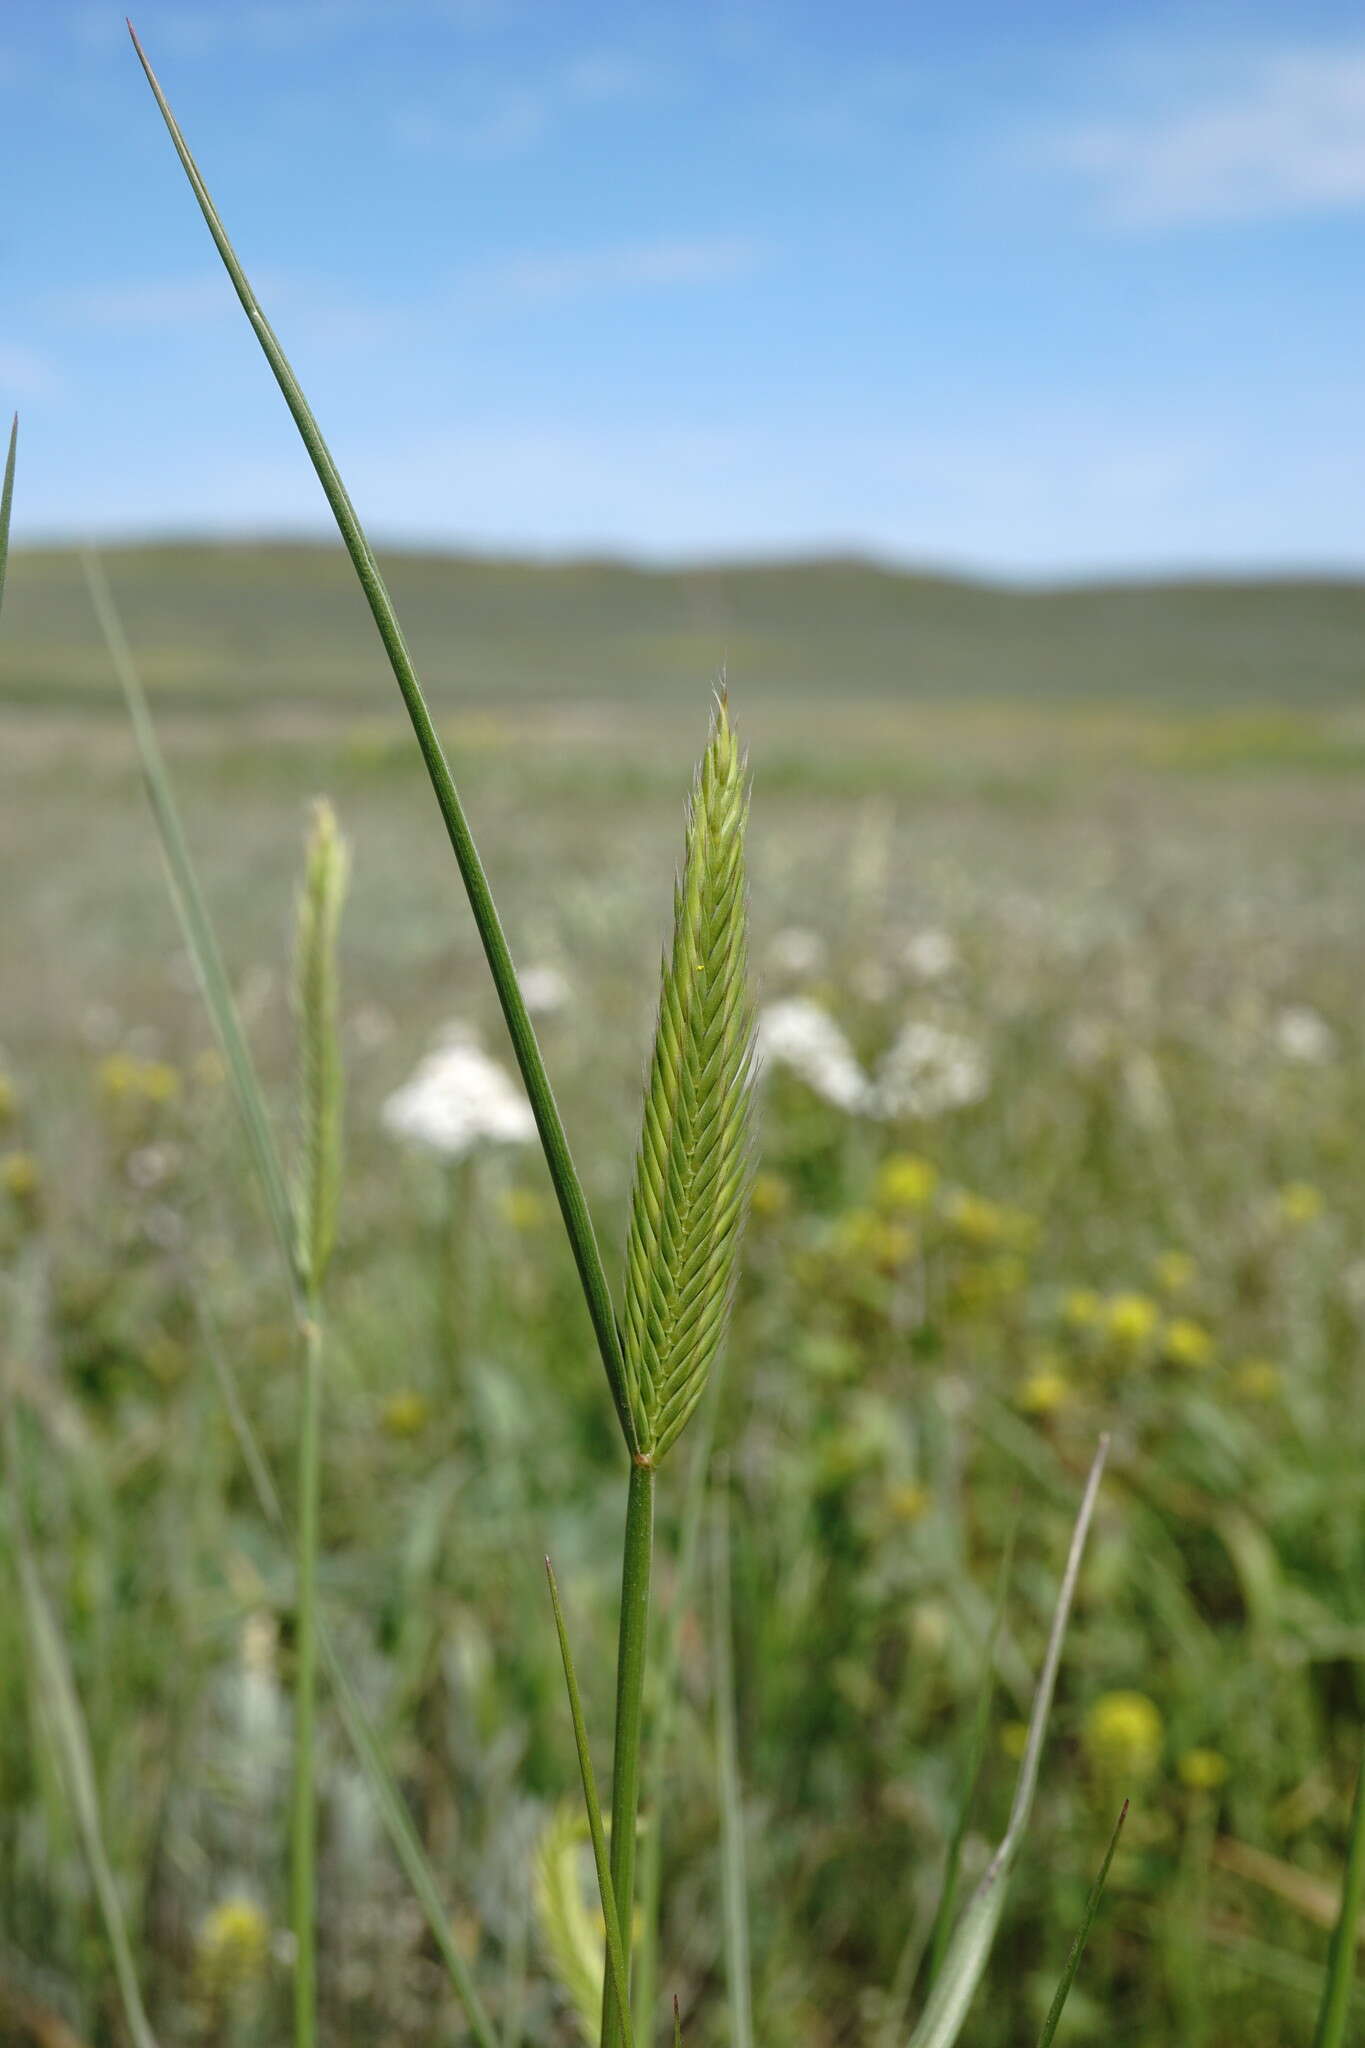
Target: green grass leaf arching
{"type": "Point", "coordinates": [688, 1201]}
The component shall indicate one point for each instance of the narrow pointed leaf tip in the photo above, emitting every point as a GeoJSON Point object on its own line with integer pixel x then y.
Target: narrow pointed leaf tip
{"type": "Point", "coordinates": [7, 500]}
{"type": "Point", "coordinates": [318, 1179]}
{"type": "Point", "coordinates": [692, 1168]}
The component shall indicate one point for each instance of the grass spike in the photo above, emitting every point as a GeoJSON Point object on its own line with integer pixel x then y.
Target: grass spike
{"type": "Point", "coordinates": [688, 1198]}
{"type": "Point", "coordinates": [525, 1045]}
{"type": "Point", "coordinates": [318, 1179]}
{"type": "Point", "coordinates": [1073, 1961]}
{"type": "Point", "coordinates": [969, 1950]}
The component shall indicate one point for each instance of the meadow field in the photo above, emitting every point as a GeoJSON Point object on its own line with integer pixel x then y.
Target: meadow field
{"type": "Point", "coordinates": [1058, 906]}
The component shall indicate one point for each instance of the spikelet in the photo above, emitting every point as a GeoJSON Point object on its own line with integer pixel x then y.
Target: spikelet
{"type": "Point", "coordinates": [575, 1945]}
{"type": "Point", "coordinates": [318, 1176]}
{"type": "Point", "coordinates": [692, 1169]}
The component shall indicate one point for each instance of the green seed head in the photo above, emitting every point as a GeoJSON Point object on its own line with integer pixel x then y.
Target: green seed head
{"type": "Point", "coordinates": [318, 1179]}
{"type": "Point", "coordinates": [692, 1170]}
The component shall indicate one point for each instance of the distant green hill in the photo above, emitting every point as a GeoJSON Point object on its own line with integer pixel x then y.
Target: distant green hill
{"type": "Point", "coordinates": [253, 622]}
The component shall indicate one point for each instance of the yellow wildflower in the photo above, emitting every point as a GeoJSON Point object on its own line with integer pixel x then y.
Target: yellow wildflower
{"type": "Point", "coordinates": [1014, 1739]}
{"type": "Point", "coordinates": [770, 1196]}
{"type": "Point", "coordinates": [1203, 1770]}
{"type": "Point", "coordinates": [1130, 1319]}
{"type": "Point", "coordinates": [405, 1414]}
{"type": "Point", "coordinates": [521, 1207]}
{"type": "Point", "coordinates": [233, 1945]}
{"type": "Point", "coordinates": [1257, 1378]}
{"type": "Point", "coordinates": [19, 1175]}
{"type": "Point", "coordinates": [905, 1181]}
{"type": "Point", "coordinates": [1081, 1308]}
{"type": "Point", "coordinates": [864, 1235]}
{"type": "Point", "coordinates": [1174, 1272]}
{"type": "Point", "coordinates": [1186, 1343]}
{"type": "Point", "coordinates": [124, 1078]}
{"type": "Point", "coordinates": [1300, 1202]}
{"type": "Point", "coordinates": [1123, 1734]}
{"type": "Point", "coordinates": [1043, 1392]}
{"type": "Point", "coordinates": [907, 1503]}
{"type": "Point", "coordinates": [974, 1218]}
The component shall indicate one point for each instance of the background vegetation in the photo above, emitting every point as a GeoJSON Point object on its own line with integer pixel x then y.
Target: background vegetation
{"type": "Point", "coordinates": [1109, 846]}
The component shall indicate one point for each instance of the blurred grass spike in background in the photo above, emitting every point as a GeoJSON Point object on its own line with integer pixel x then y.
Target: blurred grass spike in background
{"type": "Point", "coordinates": [318, 1177]}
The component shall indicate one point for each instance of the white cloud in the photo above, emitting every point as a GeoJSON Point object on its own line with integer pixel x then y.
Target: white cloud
{"type": "Point", "coordinates": [668, 263]}
{"type": "Point", "coordinates": [1285, 135]}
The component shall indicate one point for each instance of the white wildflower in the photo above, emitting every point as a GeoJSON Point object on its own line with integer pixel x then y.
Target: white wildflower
{"type": "Point", "coordinates": [1302, 1035]}
{"type": "Point", "coordinates": [798, 1034]}
{"type": "Point", "coordinates": [459, 1098]}
{"type": "Point", "coordinates": [796, 952]}
{"type": "Point", "coordinates": [544, 990]}
{"type": "Point", "coordinates": [930, 955]}
{"type": "Point", "coordinates": [929, 1070]}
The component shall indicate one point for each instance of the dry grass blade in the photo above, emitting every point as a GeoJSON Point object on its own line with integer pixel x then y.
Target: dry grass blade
{"type": "Point", "coordinates": [687, 1205]}
{"type": "Point", "coordinates": [965, 1961]}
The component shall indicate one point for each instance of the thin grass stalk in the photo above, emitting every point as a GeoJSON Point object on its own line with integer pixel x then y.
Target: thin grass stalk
{"type": "Point", "coordinates": [317, 1195]}
{"type": "Point", "coordinates": [632, 1652]}
{"type": "Point", "coordinates": [1073, 1961]}
{"type": "Point", "coordinates": [969, 1950]}
{"type": "Point", "coordinates": [525, 1045]}
{"type": "Point", "coordinates": [733, 1882]}
{"type": "Point", "coordinates": [200, 938]}
{"type": "Point", "coordinates": [1334, 2012]}
{"type": "Point", "coordinates": [303, 1812]}
{"type": "Point", "coordinates": [660, 1736]}
{"type": "Point", "coordinates": [617, 1981]}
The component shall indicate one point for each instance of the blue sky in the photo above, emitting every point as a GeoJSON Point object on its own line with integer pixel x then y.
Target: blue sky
{"type": "Point", "coordinates": [1026, 289]}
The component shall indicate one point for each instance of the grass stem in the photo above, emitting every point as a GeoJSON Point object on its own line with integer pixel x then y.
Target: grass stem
{"type": "Point", "coordinates": [303, 1859]}
{"type": "Point", "coordinates": [631, 1656]}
